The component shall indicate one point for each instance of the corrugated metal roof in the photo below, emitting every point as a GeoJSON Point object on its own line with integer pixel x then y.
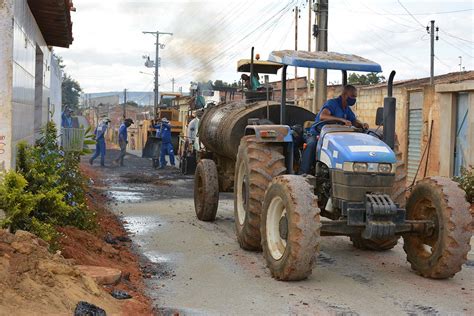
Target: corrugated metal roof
{"type": "Point", "coordinates": [440, 79]}
{"type": "Point", "coordinates": [54, 20]}
{"type": "Point", "coordinates": [324, 60]}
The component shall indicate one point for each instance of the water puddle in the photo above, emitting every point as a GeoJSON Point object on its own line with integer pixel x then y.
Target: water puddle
{"type": "Point", "coordinates": [157, 257]}
{"type": "Point", "coordinates": [126, 196]}
{"type": "Point", "coordinates": [141, 225]}
{"type": "Point", "coordinates": [170, 311]}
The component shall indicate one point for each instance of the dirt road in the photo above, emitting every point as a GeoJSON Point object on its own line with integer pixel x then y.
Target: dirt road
{"type": "Point", "coordinates": [198, 267]}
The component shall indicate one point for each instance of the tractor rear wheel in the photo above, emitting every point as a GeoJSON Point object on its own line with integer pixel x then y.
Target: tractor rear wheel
{"type": "Point", "coordinates": [206, 190]}
{"type": "Point", "coordinates": [257, 164]}
{"type": "Point", "coordinates": [441, 252]}
{"type": "Point", "coordinates": [290, 228]}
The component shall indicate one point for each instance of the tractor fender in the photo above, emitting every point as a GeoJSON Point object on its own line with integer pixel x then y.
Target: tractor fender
{"type": "Point", "coordinates": [270, 133]}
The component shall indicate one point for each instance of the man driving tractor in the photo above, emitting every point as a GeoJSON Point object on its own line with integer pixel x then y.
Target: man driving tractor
{"type": "Point", "coordinates": [337, 110]}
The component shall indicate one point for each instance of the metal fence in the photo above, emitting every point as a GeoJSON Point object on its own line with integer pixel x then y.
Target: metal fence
{"type": "Point", "coordinates": [72, 139]}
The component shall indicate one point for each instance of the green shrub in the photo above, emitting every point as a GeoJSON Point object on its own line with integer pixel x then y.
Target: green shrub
{"type": "Point", "coordinates": [466, 182]}
{"type": "Point", "coordinates": [47, 190]}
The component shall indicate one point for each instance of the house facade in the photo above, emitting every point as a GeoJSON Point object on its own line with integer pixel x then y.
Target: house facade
{"type": "Point", "coordinates": [434, 123]}
{"type": "Point", "coordinates": [30, 77]}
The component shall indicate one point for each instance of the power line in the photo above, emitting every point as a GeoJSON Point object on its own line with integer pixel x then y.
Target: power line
{"type": "Point", "coordinates": [231, 43]}
{"type": "Point", "coordinates": [442, 62]}
{"type": "Point", "coordinates": [409, 13]}
{"type": "Point", "coordinates": [418, 14]}
{"type": "Point", "coordinates": [235, 44]}
{"type": "Point", "coordinates": [455, 46]}
{"type": "Point", "coordinates": [457, 37]}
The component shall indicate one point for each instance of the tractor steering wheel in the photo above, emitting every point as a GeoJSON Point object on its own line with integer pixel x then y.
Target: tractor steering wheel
{"type": "Point", "coordinates": [319, 126]}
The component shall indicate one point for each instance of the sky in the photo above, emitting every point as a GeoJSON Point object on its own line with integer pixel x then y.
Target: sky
{"type": "Point", "coordinates": [209, 36]}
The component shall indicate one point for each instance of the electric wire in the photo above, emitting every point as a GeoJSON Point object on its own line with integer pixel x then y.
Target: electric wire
{"type": "Point", "coordinates": [409, 13]}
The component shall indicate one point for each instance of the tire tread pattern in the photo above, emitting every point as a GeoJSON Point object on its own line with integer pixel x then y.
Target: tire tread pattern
{"type": "Point", "coordinates": [455, 236]}
{"type": "Point", "coordinates": [265, 162]}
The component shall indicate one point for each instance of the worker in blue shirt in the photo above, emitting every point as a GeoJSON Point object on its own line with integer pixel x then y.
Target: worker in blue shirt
{"type": "Point", "coordinates": [66, 118]}
{"type": "Point", "coordinates": [100, 142]}
{"type": "Point", "coordinates": [163, 131]}
{"type": "Point", "coordinates": [123, 140]}
{"type": "Point", "coordinates": [337, 109]}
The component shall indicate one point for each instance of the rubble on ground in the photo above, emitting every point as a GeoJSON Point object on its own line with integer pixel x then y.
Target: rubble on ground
{"type": "Point", "coordinates": [32, 280]}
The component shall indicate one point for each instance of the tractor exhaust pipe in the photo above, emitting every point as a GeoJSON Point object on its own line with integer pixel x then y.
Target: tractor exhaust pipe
{"type": "Point", "coordinates": [389, 113]}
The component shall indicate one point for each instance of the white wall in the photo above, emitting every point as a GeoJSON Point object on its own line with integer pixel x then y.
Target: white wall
{"type": "Point", "coordinates": [6, 74]}
{"type": "Point", "coordinates": [23, 109]}
{"type": "Point", "coordinates": [55, 91]}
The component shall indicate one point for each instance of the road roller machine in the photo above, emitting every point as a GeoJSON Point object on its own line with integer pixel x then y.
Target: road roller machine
{"type": "Point", "coordinates": [349, 192]}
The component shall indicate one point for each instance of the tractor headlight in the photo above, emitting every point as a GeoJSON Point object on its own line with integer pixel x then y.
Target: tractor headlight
{"type": "Point", "coordinates": [365, 167]}
{"type": "Point", "coordinates": [385, 167]}
{"type": "Point", "coordinates": [360, 167]}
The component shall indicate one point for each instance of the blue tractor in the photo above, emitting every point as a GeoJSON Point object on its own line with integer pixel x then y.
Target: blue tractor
{"type": "Point", "coordinates": [351, 185]}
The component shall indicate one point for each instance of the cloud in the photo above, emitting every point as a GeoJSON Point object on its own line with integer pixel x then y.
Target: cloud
{"type": "Point", "coordinates": [210, 36]}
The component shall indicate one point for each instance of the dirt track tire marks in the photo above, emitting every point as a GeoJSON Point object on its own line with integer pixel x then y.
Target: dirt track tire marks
{"type": "Point", "coordinates": [441, 200]}
{"type": "Point", "coordinates": [303, 228]}
{"type": "Point", "coordinates": [257, 164]}
{"type": "Point", "coordinates": [206, 190]}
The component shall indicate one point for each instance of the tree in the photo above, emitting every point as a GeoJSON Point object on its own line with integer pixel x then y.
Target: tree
{"type": "Point", "coordinates": [371, 78]}
{"type": "Point", "coordinates": [132, 103]}
{"type": "Point", "coordinates": [220, 83]}
{"type": "Point", "coordinates": [71, 91]}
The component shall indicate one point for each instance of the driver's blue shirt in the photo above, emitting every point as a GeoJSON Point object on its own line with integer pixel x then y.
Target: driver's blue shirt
{"type": "Point", "coordinates": [335, 107]}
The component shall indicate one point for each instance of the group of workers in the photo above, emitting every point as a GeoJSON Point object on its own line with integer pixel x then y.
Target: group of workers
{"type": "Point", "coordinates": [163, 132]}
{"type": "Point", "coordinates": [337, 110]}
{"type": "Point", "coordinates": [100, 147]}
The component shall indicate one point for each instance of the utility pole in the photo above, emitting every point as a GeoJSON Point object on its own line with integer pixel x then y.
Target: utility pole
{"type": "Point", "coordinates": [308, 78]}
{"type": "Point", "coordinates": [124, 103]}
{"type": "Point", "coordinates": [321, 30]}
{"type": "Point", "coordinates": [297, 12]}
{"type": "Point", "coordinates": [172, 84]}
{"type": "Point", "coordinates": [157, 65]}
{"type": "Point", "coordinates": [431, 30]}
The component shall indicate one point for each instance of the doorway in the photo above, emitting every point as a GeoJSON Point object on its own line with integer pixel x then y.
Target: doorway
{"type": "Point", "coordinates": [461, 144]}
{"type": "Point", "coordinates": [415, 127]}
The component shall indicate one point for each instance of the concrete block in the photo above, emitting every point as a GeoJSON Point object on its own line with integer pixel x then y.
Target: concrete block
{"type": "Point", "coordinates": [102, 275]}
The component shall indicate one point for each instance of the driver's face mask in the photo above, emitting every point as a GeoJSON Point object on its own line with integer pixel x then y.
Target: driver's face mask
{"type": "Point", "coordinates": [351, 101]}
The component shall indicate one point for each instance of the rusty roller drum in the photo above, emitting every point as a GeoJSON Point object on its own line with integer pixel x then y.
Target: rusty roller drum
{"type": "Point", "coordinates": [222, 126]}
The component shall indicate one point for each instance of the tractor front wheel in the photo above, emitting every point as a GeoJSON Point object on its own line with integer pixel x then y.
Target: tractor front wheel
{"type": "Point", "coordinates": [441, 252]}
{"type": "Point", "coordinates": [257, 164]}
{"type": "Point", "coordinates": [206, 190]}
{"type": "Point", "coordinates": [290, 228]}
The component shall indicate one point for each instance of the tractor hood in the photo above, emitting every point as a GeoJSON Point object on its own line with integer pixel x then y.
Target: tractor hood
{"type": "Point", "coordinates": [338, 147]}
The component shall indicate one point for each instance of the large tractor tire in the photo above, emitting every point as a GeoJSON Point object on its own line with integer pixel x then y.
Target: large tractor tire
{"type": "Point", "coordinates": [206, 190]}
{"type": "Point", "coordinates": [440, 253]}
{"type": "Point", "coordinates": [398, 196]}
{"type": "Point", "coordinates": [290, 228]}
{"type": "Point", "coordinates": [257, 164]}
